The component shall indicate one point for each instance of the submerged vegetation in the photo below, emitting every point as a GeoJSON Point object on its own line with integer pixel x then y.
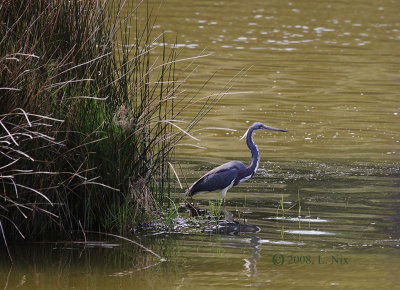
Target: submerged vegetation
{"type": "Point", "coordinates": [88, 120]}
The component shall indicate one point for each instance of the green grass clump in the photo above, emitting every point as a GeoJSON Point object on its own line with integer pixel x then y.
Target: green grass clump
{"type": "Point", "coordinates": [87, 118]}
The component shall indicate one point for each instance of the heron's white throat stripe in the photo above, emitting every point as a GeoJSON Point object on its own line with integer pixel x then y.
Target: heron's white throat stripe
{"type": "Point", "coordinates": [244, 178]}
{"type": "Point", "coordinates": [257, 162]}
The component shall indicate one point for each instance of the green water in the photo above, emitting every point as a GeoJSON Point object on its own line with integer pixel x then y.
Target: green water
{"type": "Point", "coordinates": [326, 71]}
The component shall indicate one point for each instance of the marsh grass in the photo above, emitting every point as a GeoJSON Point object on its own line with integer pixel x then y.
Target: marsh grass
{"type": "Point", "coordinates": [89, 121]}
{"type": "Point", "coordinates": [216, 209]}
{"type": "Point", "coordinates": [289, 211]}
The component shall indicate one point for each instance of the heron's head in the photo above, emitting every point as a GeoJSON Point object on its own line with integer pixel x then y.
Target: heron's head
{"type": "Point", "coordinates": [260, 126]}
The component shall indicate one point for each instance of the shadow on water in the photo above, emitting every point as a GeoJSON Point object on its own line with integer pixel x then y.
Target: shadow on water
{"type": "Point", "coordinates": [224, 227]}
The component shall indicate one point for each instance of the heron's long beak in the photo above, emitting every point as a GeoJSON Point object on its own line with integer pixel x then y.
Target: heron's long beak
{"type": "Point", "coordinates": [273, 129]}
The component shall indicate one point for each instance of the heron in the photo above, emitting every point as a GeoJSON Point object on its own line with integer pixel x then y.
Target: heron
{"type": "Point", "coordinates": [232, 173]}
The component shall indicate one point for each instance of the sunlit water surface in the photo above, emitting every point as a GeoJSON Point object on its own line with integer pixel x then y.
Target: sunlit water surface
{"type": "Point", "coordinates": [326, 71]}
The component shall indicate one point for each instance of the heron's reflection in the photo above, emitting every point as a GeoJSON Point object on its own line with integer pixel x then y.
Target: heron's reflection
{"type": "Point", "coordinates": [234, 228]}
{"type": "Point", "coordinates": [250, 264]}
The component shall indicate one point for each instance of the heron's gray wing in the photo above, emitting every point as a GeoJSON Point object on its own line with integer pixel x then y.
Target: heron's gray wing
{"type": "Point", "coordinates": [216, 179]}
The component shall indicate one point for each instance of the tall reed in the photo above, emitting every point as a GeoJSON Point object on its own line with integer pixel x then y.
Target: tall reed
{"type": "Point", "coordinates": [88, 119]}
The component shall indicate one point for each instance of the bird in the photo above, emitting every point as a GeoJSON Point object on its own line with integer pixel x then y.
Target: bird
{"type": "Point", "coordinates": [232, 173]}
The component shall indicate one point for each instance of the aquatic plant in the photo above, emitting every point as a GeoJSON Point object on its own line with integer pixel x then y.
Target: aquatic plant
{"type": "Point", "coordinates": [88, 119]}
{"type": "Point", "coordinates": [215, 209]}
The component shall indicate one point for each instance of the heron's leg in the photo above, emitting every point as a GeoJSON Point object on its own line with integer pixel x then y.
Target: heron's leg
{"type": "Point", "coordinates": [223, 194]}
{"type": "Point", "coordinates": [228, 216]}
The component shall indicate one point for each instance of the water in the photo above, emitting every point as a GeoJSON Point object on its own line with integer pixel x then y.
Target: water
{"type": "Point", "coordinates": [326, 71]}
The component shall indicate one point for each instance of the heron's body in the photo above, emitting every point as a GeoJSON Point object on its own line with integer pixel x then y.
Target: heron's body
{"type": "Point", "coordinates": [232, 173]}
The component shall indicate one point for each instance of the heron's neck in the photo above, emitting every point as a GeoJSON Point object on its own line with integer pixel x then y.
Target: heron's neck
{"type": "Point", "coordinates": [255, 154]}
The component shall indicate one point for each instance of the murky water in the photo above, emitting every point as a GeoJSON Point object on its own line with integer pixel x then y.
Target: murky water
{"type": "Point", "coordinates": [326, 71]}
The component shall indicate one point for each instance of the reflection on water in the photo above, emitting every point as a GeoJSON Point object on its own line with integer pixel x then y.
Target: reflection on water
{"type": "Point", "coordinates": [299, 219]}
{"type": "Point", "coordinates": [328, 72]}
{"type": "Point", "coordinates": [309, 232]}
